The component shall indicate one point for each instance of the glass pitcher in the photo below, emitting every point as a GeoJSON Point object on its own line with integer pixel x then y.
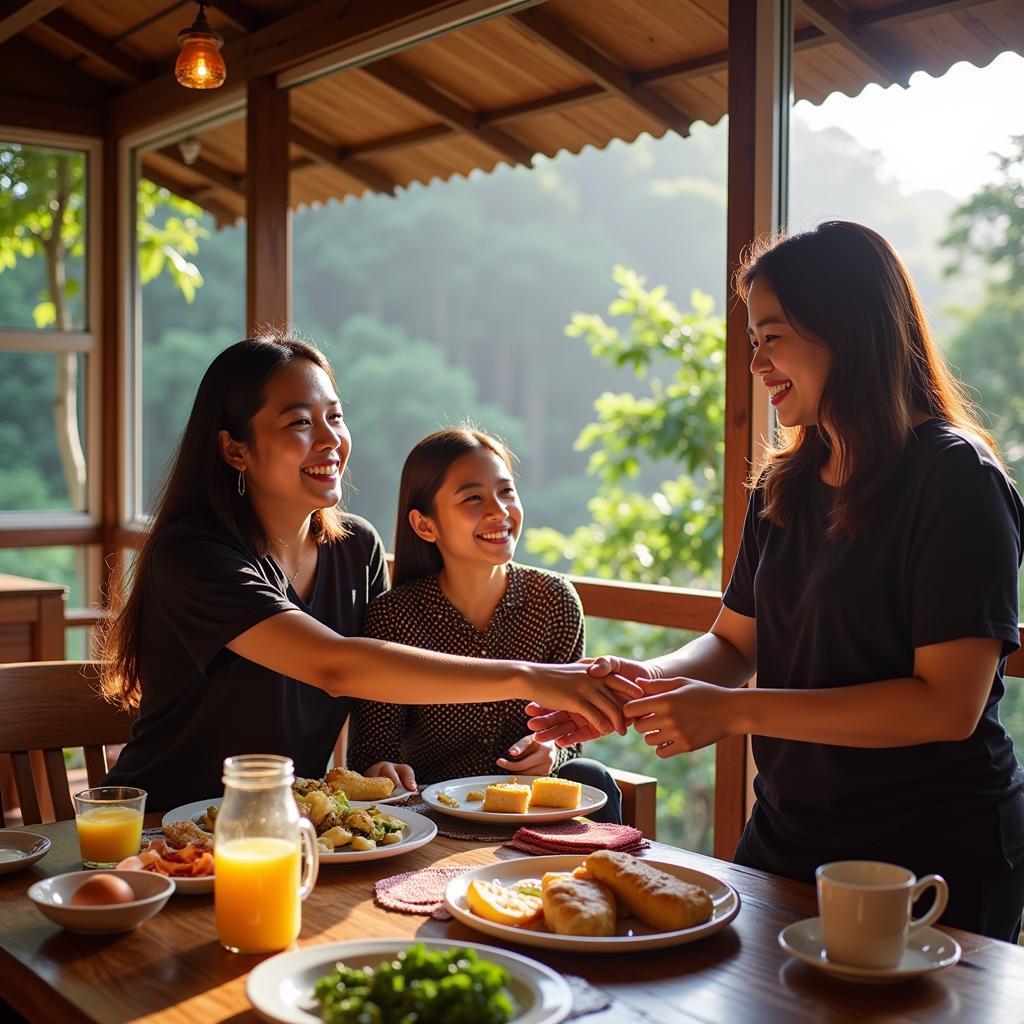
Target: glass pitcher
{"type": "Point", "coordinates": [259, 840]}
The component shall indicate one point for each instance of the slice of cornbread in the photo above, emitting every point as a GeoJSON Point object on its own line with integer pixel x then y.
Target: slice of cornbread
{"type": "Point", "coordinates": [549, 792]}
{"type": "Point", "coordinates": [506, 798]}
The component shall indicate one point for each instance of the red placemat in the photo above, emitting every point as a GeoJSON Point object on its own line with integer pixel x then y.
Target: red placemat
{"type": "Point", "coordinates": [578, 836]}
{"type": "Point", "coordinates": [417, 892]}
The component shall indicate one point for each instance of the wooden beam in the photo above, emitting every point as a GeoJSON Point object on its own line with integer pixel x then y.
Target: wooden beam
{"type": "Point", "coordinates": [213, 173]}
{"type": "Point", "coordinates": [325, 152]}
{"type": "Point", "coordinates": [17, 15]}
{"type": "Point", "coordinates": [51, 115]}
{"type": "Point", "coordinates": [268, 216]}
{"type": "Point", "coordinates": [454, 114]}
{"type": "Point", "coordinates": [91, 43]}
{"type": "Point", "coordinates": [606, 72]}
{"type": "Point", "coordinates": [244, 16]}
{"type": "Point", "coordinates": [865, 44]}
{"type": "Point", "coordinates": [313, 30]}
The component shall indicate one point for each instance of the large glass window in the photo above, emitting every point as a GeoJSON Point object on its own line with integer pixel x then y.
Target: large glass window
{"type": "Point", "coordinates": [48, 365]}
{"type": "Point", "coordinates": [190, 267]}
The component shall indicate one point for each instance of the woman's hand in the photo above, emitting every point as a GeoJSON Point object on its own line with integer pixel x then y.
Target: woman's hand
{"type": "Point", "coordinates": [529, 757]}
{"type": "Point", "coordinates": [567, 729]}
{"type": "Point", "coordinates": [399, 774]}
{"type": "Point", "coordinates": [681, 714]}
{"type": "Point", "coordinates": [592, 705]}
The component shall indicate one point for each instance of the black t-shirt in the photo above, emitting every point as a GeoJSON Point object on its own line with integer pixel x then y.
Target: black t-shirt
{"type": "Point", "coordinates": [201, 702]}
{"type": "Point", "coordinates": [937, 562]}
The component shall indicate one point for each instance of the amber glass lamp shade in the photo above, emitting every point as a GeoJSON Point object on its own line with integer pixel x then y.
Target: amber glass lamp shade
{"type": "Point", "coordinates": [200, 64]}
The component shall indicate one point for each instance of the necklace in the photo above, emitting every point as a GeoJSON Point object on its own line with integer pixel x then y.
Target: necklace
{"type": "Point", "coordinates": [298, 568]}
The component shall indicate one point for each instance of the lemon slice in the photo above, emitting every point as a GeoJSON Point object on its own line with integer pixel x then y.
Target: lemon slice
{"type": "Point", "coordinates": [501, 905]}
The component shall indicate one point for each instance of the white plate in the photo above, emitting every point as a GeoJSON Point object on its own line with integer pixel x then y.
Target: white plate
{"type": "Point", "coordinates": [633, 934]}
{"type": "Point", "coordinates": [281, 988]}
{"type": "Point", "coordinates": [200, 886]}
{"type": "Point", "coordinates": [927, 950]}
{"type": "Point", "coordinates": [19, 849]}
{"type": "Point", "coordinates": [420, 831]}
{"type": "Point", "coordinates": [591, 799]}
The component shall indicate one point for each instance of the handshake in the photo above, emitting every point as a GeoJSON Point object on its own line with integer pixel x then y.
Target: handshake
{"type": "Point", "coordinates": [567, 728]}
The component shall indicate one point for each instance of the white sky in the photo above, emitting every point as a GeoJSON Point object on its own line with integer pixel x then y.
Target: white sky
{"type": "Point", "coordinates": [939, 132]}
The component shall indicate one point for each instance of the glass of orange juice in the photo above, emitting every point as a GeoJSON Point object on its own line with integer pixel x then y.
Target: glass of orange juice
{"type": "Point", "coordinates": [109, 820]}
{"type": "Point", "coordinates": [259, 841]}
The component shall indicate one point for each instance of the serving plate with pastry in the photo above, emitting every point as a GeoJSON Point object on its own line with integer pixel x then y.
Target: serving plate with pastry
{"type": "Point", "coordinates": [513, 800]}
{"type": "Point", "coordinates": [606, 902]}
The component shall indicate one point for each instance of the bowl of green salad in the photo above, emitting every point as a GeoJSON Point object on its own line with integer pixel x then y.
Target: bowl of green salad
{"type": "Point", "coordinates": [433, 981]}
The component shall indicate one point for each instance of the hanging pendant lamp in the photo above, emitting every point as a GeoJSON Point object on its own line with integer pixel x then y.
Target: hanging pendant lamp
{"type": "Point", "coordinates": [200, 64]}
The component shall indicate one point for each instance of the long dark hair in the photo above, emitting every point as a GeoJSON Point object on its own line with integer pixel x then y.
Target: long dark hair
{"type": "Point", "coordinates": [422, 475]}
{"type": "Point", "coordinates": [200, 482]}
{"type": "Point", "coordinates": [843, 286]}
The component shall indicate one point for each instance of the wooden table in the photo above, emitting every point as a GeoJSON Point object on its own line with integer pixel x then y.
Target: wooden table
{"type": "Point", "coordinates": [172, 970]}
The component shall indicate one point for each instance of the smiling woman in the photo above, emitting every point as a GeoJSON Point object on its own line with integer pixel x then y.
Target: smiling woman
{"type": "Point", "coordinates": [242, 630]}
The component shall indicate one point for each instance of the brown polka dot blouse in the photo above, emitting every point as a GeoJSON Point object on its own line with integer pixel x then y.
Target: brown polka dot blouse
{"type": "Point", "coordinates": [540, 619]}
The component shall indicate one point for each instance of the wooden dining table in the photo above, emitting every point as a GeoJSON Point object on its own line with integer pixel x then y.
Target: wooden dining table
{"type": "Point", "coordinates": [171, 969]}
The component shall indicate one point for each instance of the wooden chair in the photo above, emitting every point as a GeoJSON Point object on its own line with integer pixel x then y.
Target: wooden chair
{"type": "Point", "coordinates": [639, 799]}
{"type": "Point", "coordinates": [47, 706]}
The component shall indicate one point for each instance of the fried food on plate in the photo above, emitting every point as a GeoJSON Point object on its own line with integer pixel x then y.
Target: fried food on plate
{"type": "Point", "coordinates": [359, 787]}
{"type": "Point", "coordinates": [495, 902]}
{"type": "Point", "coordinates": [506, 798]}
{"type": "Point", "coordinates": [187, 833]}
{"type": "Point", "coordinates": [657, 898]}
{"type": "Point", "coordinates": [550, 792]}
{"type": "Point", "coordinates": [577, 906]}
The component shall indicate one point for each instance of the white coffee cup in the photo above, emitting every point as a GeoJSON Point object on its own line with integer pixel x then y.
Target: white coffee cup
{"type": "Point", "coordinates": [865, 908]}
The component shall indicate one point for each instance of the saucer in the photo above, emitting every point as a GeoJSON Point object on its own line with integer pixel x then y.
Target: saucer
{"type": "Point", "coordinates": [927, 950]}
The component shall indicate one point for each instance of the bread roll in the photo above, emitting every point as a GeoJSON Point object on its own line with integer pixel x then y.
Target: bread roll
{"type": "Point", "coordinates": [658, 899]}
{"type": "Point", "coordinates": [577, 906]}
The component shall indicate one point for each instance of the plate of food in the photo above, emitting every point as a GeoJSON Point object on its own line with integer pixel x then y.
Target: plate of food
{"type": "Point", "coordinates": [347, 831]}
{"type": "Point", "coordinates": [607, 902]}
{"type": "Point", "coordinates": [306, 986]}
{"type": "Point", "coordinates": [510, 799]}
{"type": "Point", "coordinates": [183, 853]}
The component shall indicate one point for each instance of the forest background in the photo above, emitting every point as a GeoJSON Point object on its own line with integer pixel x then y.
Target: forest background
{"type": "Point", "coordinates": [575, 309]}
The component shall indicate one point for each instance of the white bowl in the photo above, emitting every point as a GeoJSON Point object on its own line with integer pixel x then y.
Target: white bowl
{"type": "Point", "coordinates": [53, 898]}
{"type": "Point", "coordinates": [19, 849]}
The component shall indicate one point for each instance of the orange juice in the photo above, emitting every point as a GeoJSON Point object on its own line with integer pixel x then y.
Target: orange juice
{"type": "Point", "coordinates": [109, 834]}
{"type": "Point", "coordinates": [256, 893]}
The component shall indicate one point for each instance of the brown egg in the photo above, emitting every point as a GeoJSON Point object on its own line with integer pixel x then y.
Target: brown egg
{"type": "Point", "coordinates": [102, 891]}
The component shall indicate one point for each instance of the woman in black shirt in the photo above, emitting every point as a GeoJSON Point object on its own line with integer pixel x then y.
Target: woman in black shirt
{"type": "Point", "coordinates": [240, 632]}
{"type": "Point", "coordinates": [874, 594]}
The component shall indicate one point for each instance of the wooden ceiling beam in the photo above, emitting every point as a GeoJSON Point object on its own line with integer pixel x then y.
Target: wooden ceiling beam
{"type": "Point", "coordinates": [17, 15]}
{"type": "Point", "coordinates": [216, 175]}
{"type": "Point", "coordinates": [244, 16]}
{"type": "Point", "coordinates": [865, 44]}
{"type": "Point", "coordinates": [326, 153]}
{"type": "Point", "coordinates": [92, 44]}
{"type": "Point", "coordinates": [452, 113]}
{"type": "Point", "coordinates": [606, 72]}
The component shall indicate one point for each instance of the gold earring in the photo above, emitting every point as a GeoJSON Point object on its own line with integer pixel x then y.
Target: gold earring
{"type": "Point", "coordinates": [241, 482]}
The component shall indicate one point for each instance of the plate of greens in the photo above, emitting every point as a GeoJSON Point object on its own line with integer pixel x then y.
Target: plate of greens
{"type": "Point", "coordinates": [388, 979]}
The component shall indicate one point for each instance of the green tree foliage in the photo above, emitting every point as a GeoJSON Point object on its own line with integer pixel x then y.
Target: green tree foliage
{"type": "Point", "coordinates": [987, 234]}
{"type": "Point", "coordinates": [672, 535]}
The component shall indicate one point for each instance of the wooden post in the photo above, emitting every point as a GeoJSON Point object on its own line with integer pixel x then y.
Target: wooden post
{"type": "Point", "coordinates": [760, 45]}
{"type": "Point", "coordinates": [268, 220]}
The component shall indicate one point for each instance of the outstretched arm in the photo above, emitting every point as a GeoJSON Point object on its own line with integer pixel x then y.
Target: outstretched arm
{"type": "Point", "coordinates": [942, 701]}
{"type": "Point", "coordinates": [297, 645]}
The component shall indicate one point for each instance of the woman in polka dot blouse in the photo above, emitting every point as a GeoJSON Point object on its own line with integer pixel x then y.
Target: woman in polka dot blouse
{"type": "Point", "coordinates": [457, 591]}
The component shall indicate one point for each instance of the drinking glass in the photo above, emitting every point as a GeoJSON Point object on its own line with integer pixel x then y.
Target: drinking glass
{"type": "Point", "coordinates": [109, 822]}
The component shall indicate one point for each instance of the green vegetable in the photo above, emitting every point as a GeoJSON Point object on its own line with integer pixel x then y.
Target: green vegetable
{"type": "Point", "coordinates": [418, 987]}
{"type": "Point", "coordinates": [528, 890]}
